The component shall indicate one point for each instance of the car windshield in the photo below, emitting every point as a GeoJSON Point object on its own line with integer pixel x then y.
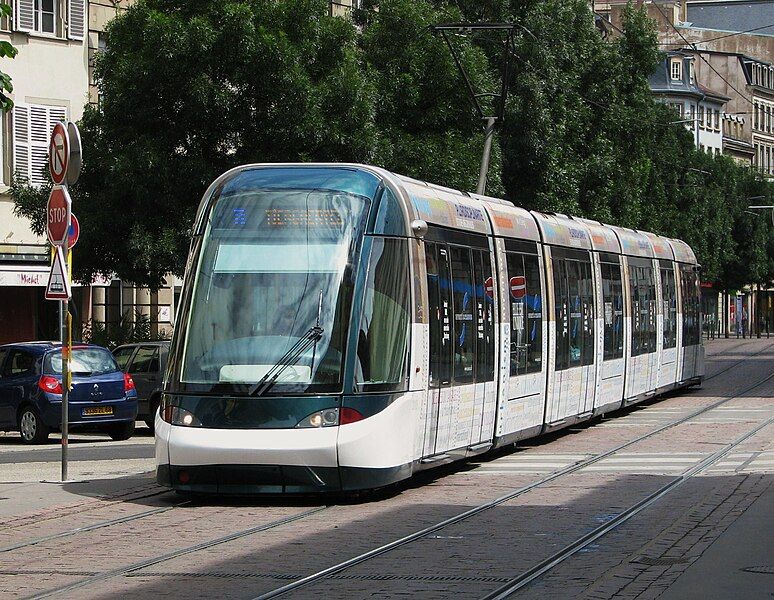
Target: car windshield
{"type": "Point", "coordinates": [83, 362]}
{"type": "Point", "coordinates": [275, 263]}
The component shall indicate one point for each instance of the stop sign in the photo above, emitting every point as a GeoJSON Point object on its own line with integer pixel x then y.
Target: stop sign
{"type": "Point", "coordinates": [518, 286]}
{"type": "Point", "coordinates": [58, 215]}
{"type": "Point", "coordinates": [489, 287]}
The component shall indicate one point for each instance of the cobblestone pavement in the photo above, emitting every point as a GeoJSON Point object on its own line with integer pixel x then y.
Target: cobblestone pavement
{"type": "Point", "coordinates": [643, 558]}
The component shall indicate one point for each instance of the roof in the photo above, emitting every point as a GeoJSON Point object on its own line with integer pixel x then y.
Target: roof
{"type": "Point", "coordinates": [41, 347]}
{"type": "Point", "coordinates": [661, 82]}
{"type": "Point", "coordinates": [732, 16]}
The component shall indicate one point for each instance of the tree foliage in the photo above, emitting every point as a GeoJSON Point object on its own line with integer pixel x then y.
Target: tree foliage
{"type": "Point", "coordinates": [7, 50]}
{"type": "Point", "coordinates": [190, 88]}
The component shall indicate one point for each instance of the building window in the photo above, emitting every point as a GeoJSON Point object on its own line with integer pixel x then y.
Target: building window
{"type": "Point", "coordinates": [677, 69]}
{"type": "Point", "coordinates": [49, 17]}
{"type": "Point", "coordinates": [45, 16]}
{"type": "Point", "coordinates": [717, 120]}
{"type": "Point", "coordinates": [691, 74]}
{"type": "Point", "coordinates": [701, 117]}
{"type": "Point", "coordinates": [32, 125]}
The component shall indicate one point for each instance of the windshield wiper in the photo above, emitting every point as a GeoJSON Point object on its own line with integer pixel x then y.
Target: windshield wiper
{"type": "Point", "coordinates": [309, 339]}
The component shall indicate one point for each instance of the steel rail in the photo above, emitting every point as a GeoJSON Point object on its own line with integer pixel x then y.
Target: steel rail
{"type": "Point", "coordinates": [739, 362]}
{"type": "Point", "coordinates": [549, 563]}
{"type": "Point", "coordinates": [149, 513]}
{"type": "Point", "coordinates": [412, 537]}
{"type": "Point", "coordinates": [85, 528]}
{"type": "Point", "coordinates": [175, 554]}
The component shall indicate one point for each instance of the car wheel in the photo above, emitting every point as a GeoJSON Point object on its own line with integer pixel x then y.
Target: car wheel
{"type": "Point", "coordinates": [31, 426]}
{"type": "Point", "coordinates": [123, 431]}
{"type": "Point", "coordinates": [153, 406]}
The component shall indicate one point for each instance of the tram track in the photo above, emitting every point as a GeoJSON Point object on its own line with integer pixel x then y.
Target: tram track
{"type": "Point", "coordinates": [155, 511]}
{"type": "Point", "coordinates": [334, 570]}
{"type": "Point", "coordinates": [423, 533]}
{"type": "Point", "coordinates": [737, 363]}
{"type": "Point", "coordinates": [92, 527]}
{"type": "Point", "coordinates": [527, 577]}
{"type": "Point", "coordinates": [143, 564]}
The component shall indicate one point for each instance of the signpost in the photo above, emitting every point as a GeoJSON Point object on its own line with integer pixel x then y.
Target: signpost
{"type": "Point", "coordinates": [73, 233]}
{"type": "Point", "coordinates": [63, 229]}
{"type": "Point", "coordinates": [59, 153]}
{"type": "Point", "coordinates": [58, 212]}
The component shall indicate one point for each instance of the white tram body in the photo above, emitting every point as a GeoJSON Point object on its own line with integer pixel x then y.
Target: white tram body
{"type": "Point", "coordinates": [342, 327]}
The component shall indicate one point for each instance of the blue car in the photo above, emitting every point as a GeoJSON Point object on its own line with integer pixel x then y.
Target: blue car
{"type": "Point", "coordinates": [102, 398]}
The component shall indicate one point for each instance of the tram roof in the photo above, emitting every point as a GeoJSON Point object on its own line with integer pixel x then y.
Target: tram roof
{"type": "Point", "coordinates": [683, 252]}
{"type": "Point", "coordinates": [562, 230]}
{"type": "Point", "coordinates": [661, 246]}
{"type": "Point", "coordinates": [445, 206]}
{"type": "Point", "coordinates": [633, 242]}
{"type": "Point", "coordinates": [603, 239]}
{"type": "Point", "coordinates": [509, 221]}
{"type": "Point", "coordinates": [448, 207]}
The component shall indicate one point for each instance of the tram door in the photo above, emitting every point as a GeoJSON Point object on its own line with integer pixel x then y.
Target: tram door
{"type": "Point", "coordinates": [574, 374]}
{"type": "Point", "coordinates": [439, 315]}
{"type": "Point", "coordinates": [668, 370]}
{"type": "Point", "coordinates": [462, 397]}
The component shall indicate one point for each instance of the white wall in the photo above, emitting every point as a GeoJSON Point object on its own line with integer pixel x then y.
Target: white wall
{"type": "Point", "coordinates": [45, 71]}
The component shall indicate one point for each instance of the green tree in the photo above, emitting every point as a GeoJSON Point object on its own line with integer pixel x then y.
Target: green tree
{"type": "Point", "coordinates": [7, 50]}
{"type": "Point", "coordinates": [190, 88]}
{"type": "Point", "coordinates": [428, 128]}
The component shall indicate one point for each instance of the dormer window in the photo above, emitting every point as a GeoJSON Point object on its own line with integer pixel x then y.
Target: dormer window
{"type": "Point", "coordinates": [676, 67]}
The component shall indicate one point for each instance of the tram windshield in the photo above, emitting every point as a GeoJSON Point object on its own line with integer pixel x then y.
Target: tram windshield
{"type": "Point", "coordinates": [275, 263]}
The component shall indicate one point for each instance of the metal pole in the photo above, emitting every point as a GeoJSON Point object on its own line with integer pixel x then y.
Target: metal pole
{"type": "Point", "coordinates": [65, 383]}
{"type": "Point", "coordinates": [488, 135]}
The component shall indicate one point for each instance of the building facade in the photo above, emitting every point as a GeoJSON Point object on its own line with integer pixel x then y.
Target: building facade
{"type": "Point", "coordinates": [53, 78]}
{"type": "Point", "coordinates": [50, 80]}
{"type": "Point", "coordinates": [699, 109]}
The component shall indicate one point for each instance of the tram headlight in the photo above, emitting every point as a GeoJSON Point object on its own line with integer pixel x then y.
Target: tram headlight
{"type": "Point", "coordinates": [176, 415]}
{"type": "Point", "coordinates": [328, 417]}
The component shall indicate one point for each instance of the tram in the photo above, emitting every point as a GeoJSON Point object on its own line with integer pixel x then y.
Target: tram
{"type": "Point", "coordinates": [342, 327]}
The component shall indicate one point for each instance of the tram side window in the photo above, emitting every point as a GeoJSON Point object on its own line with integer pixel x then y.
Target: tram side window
{"type": "Point", "coordinates": [384, 322]}
{"type": "Point", "coordinates": [634, 293]}
{"type": "Point", "coordinates": [586, 287]}
{"type": "Point", "coordinates": [526, 304]}
{"type": "Point", "coordinates": [464, 337]}
{"type": "Point", "coordinates": [534, 299]}
{"type": "Point", "coordinates": [669, 303]}
{"type": "Point", "coordinates": [574, 312]}
{"type": "Point", "coordinates": [482, 268]}
{"type": "Point", "coordinates": [651, 310]}
{"type": "Point", "coordinates": [561, 314]}
{"type": "Point", "coordinates": [690, 293]}
{"type": "Point", "coordinates": [612, 298]}
{"type": "Point", "coordinates": [438, 288]}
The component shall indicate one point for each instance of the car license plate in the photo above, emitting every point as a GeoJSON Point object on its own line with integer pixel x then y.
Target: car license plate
{"type": "Point", "coordinates": [95, 411]}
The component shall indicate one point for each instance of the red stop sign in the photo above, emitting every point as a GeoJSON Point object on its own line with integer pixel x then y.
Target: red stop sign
{"type": "Point", "coordinates": [518, 286]}
{"type": "Point", "coordinates": [58, 215]}
{"type": "Point", "coordinates": [489, 287]}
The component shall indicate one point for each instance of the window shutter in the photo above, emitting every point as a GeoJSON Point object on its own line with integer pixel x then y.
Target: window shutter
{"type": "Point", "coordinates": [21, 141]}
{"type": "Point", "coordinates": [24, 15]}
{"type": "Point", "coordinates": [39, 138]}
{"type": "Point", "coordinates": [76, 19]}
{"type": "Point", "coordinates": [32, 127]}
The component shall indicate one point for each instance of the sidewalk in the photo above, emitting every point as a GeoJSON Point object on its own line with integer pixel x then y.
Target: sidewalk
{"type": "Point", "coordinates": [739, 564]}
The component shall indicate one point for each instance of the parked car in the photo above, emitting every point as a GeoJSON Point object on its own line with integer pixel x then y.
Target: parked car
{"type": "Point", "coordinates": [102, 397]}
{"type": "Point", "coordinates": [145, 363]}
